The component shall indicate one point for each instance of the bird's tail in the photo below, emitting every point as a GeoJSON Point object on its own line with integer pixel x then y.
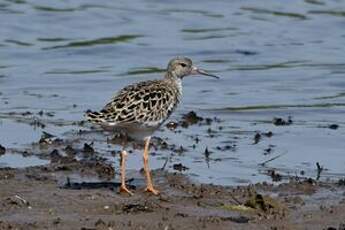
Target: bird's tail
{"type": "Point", "coordinates": [95, 117]}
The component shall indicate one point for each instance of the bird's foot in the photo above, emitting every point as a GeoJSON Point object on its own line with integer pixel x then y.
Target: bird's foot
{"type": "Point", "coordinates": [150, 189]}
{"type": "Point", "coordinates": [124, 189]}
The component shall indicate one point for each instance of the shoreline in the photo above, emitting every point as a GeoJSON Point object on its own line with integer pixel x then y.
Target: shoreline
{"type": "Point", "coordinates": [42, 197]}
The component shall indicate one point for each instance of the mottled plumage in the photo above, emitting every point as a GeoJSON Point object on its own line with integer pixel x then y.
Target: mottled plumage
{"type": "Point", "coordinates": [139, 106]}
{"type": "Point", "coordinates": [139, 109]}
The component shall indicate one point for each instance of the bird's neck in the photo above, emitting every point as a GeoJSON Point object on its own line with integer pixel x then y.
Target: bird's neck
{"type": "Point", "coordinates": [170, 77]}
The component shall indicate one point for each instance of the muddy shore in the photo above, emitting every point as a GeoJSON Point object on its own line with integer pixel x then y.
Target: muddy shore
{"type": "Point", "coordinates": [45, 197]}
{"type": "Point", "coordinates": [77, 188]}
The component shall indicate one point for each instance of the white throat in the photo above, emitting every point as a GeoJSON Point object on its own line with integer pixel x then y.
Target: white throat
{"type": "Point", "coordinates": [179, 85]}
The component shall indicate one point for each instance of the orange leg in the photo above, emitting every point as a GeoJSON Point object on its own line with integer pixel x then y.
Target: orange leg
{"type": "Point", "coordinates": [123, 187]}
{"type": "Point", "coordinates": [149, 185]}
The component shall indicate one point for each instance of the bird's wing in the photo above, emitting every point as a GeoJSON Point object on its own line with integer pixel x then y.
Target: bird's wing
{"type": "Point", "coordinates": [149, 102]}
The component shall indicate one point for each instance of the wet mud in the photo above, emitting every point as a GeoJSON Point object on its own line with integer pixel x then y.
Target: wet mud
{"type": "Point", "coordinates": [78, 188]}
{"type": "Point", "coordinates": [44, 197]}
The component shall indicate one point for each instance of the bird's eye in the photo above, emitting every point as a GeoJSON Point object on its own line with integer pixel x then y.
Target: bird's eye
{"type": "Point", "coordinates": [183, 64]}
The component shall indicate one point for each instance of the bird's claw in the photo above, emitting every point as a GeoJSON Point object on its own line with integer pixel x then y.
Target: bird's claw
{"type": "Point", "coordinates": [124, 189]}
{"type": "Point", "coordinates": [152, 190]}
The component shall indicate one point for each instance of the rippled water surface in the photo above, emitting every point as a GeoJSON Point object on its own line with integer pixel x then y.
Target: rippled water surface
{"type": "Point", "coordinates": [275, 59]}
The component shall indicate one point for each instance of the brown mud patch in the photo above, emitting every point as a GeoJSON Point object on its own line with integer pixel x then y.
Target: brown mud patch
{"type": "Point", "coordinates": [43, 197]}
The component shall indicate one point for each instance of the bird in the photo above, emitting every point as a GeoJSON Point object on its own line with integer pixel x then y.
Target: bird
{"type": "Point", "coordinates": [141, 108]}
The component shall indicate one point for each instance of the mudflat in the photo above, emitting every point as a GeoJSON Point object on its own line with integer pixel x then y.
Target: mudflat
{"type": "Point", "coordinates": [44, 197]}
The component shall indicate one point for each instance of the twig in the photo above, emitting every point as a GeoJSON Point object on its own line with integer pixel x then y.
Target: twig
{"type": "Point", "coordinates": [235, 199]}
{"type": "Point", "coordinates": [272, 159]}
{"type": "Point", "coordinates": [22, 200]}
{"type": "Point", "coordinates": [319, 170]}
{"type": "Point", "coordinates": [165, 163]}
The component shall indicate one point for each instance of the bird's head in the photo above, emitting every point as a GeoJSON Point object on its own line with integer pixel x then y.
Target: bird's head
{"type": "Point", "coordinates": [182, 66]}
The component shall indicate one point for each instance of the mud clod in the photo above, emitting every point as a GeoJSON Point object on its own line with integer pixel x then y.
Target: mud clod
{"type": "Point", "coordinates": [6, 173]}
{"type": "Point", "coordinates": [268, 151]}
{"type": "Point", "coordinates": [70, 151]}
{"type": "Point", "coordinates": [56, 157]}
{"type": "Point", "coordinates": [226, 147]}
{"type": "Point", "coordinates": [319, 170]}
{"type": "Point", "coordinates": [100, 223]}
{"type": "Point", "coordinates": [341, 182]}
{"type": "Point", "coordinates": [137, 208]}
{"type": "Point", "coordinates": [172, 125]}
{"type": "Point", "coordinates": [257, 138]}
{"type": "Point", "coordinates": [264, 203]}
{"type": "Point", "coordinates": [190, 118]}
{"type": "Point", "coordinates": [274, 175]}
{"type": "Point", "coordinates": [180, 150]}
{"type": "Point", "coordinates": [2, 150]}
{"type": "Point", "coordinates": [88, 150]}
{"type": "Point", "coordinates": [277, 121]}
{"type": "Point", "coordinates": [333, 126]}
{"type": "Point", "coordinates": [180, 167]}
{"type": "Point", "coordinates": [268, 134]}
{"type": "Point", "coordinates": [46, 138]}
{"type": "Point", "coordinates": [104, 170]}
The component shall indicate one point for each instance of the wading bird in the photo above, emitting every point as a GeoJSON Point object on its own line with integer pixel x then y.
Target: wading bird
{"type": "Point", "coordinates": [139, 109]}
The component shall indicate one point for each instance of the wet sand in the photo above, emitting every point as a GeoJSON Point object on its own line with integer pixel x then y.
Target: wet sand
{"type": "Point", "coordinates": [42, 198]}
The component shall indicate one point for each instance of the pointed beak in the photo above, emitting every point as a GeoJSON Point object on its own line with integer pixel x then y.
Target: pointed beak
{"type": "Point", "coordinates": [197, 71]}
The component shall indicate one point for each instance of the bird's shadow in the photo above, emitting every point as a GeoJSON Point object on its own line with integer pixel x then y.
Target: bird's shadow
{"type": "Point", "coordinates": [96, 185]}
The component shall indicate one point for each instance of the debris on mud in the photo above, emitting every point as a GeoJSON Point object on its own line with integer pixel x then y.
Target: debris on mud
{"type": "Point", "coordinates": [319, 170]}
{"type": "Point", "coordinates": [88, 150]}
{"type": "Point", "coordinates": [180, 167]}
{"type": "Point", "coordinates": [271, 159]}
{"type": "Point", "coordinates": [269, 150]}
{"type": "Point", "coordinates": [277, 121]}
{"type": "Point", "coordinates": [48, 114]}
{"type": "Point", "coordinates": [2, 150]}
{"type": "Point", "coordinates": [341, 182]}
{"type": "Point", "coordinates": [265, 203]}
{"type": "Point", "coordinates": [49, 139]}
{"type": "Point", "coordinates": [56, 157]}
{"type": "Point", "coordinates": [7, 226]}
{"type": "Point", "coordinates": [162, 144]}
{"type": "Point", "coordinates": [258, 136]}
{"type": "Point", "coordinates": [180, 150]}
{"type": "Point", "coordinates": [268, 134]}
{"type": "Point", "coordinates": [274, 175]}
{"type": "Point", "coordinates": [190, 118]}
{"type": "Point", "coordinates": [104, 169]}
{"type": "Point", "coordinates": [246, 52]}
{"type": "Point", "coordinates": [172, 125]}
{"type": "Point", "coordinates": [138, 207]}
{"type": "Point", "coordinates": [70, 151]}
{"type": "Point", "coordinates": [227, 147]}
{"type": "Point", "coordinates": [6, 173]}
{"type": "Point", "coordinates": [37, 123]}
{"type": "Point", "coordinates": [333, 126]}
